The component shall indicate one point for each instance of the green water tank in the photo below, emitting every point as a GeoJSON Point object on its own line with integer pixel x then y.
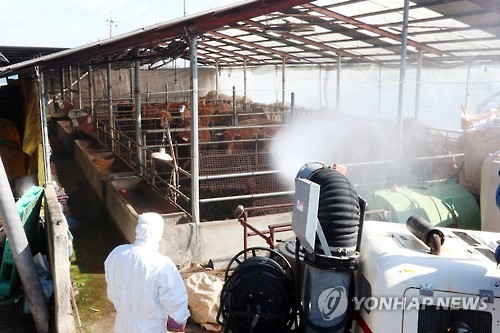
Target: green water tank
{"type": "Point", "coordinates": [443, 204]}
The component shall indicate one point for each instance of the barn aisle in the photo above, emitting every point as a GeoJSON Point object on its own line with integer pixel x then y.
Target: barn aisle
{"type": "Point", "coordinates": [94, 237]}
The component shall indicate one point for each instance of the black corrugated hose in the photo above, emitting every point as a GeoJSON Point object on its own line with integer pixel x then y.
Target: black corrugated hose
{"type": "Point", "coordinates": [338, 210]}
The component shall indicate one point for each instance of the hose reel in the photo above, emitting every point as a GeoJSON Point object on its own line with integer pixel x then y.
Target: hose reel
{"type": "Point", "coordinates": [258, 296]}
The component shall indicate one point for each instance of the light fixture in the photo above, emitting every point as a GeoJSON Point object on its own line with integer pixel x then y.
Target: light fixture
{"type": "Point", "coordinates": [162, 155]}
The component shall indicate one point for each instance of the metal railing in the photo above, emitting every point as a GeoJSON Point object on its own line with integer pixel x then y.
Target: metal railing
{"type": "Point", "coordinates": [233, 182]}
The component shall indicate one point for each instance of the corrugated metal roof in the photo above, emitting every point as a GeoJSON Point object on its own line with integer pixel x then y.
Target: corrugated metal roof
{"type": "Point", "coordinates": [17, 54]}
{"type": "Point", "coordinates": [305, 32]}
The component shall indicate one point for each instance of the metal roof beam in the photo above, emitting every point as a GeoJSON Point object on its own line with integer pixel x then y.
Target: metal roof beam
{"type": "Point", "coordinates": [495, 30]}
{"type": "Point", "coordinates": [306, 41]}
{"type": "Point", "coordinates": [221, 50]}
{"type": "Point", "coordinates": [253, 45]}
{"type": "Point", "coordinates": [427, 5]}
{"type": "Point", "coordinates": [371, 28]}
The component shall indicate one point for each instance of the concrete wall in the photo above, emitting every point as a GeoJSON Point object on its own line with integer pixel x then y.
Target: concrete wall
{"type": "Point", "coordinates": [84, 158]}
{"type": "Point", "coordinates": [94, 178]}
{"type": "Point", "coordinates": [64, 130]}
{"type": "Point", "coordinates": [221, 240]}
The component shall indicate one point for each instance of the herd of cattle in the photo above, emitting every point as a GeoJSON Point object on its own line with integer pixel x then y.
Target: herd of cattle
{"type": "Point", "coordinates": [248, 127]}
{"type": "Point", "coordinates": [220, 127]}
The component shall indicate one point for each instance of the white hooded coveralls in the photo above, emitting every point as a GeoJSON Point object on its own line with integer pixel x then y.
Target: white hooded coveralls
{"type": "Point", "coordinates": [144, 285]}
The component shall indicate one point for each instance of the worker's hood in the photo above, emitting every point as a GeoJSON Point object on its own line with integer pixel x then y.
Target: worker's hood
{"type": "Point", "coordinates": [149, 229]}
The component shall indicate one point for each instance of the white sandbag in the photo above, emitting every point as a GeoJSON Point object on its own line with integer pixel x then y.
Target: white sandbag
{"type": "Point", "coordinates": [204, 295]}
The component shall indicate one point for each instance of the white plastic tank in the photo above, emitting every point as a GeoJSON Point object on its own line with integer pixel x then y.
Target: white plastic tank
{"type": "Point", "coordinates": [490, 180]}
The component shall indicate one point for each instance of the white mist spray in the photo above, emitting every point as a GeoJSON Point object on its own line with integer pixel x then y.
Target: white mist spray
{"type": "Point", "coordinates": [327, 137]}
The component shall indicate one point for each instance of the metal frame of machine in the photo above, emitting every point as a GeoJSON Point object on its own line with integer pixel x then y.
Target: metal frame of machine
{"type": "Point", "coordinates": [463, 279]}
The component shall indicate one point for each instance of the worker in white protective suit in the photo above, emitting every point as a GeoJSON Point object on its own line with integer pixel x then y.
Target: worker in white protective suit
{"type": "Point", "coordinates": [144, 285]}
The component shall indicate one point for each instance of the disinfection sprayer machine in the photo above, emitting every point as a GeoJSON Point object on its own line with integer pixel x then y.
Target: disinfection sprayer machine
{"type": "Point", "coordinates": [327, 220]}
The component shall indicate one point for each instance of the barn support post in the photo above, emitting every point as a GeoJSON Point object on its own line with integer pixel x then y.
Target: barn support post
{"type": "Point", "coordinates": [43, 125]}
{"type": "Point", "coordinates": [418, 83]}
{"type": "Point", "coordinates": [402, 74]}
{"type": "Point", "coordinates": [195, 168]}
{"type": "Point", "coordinates": [379, 90]}
{"type": "Point", "coordinates": [131, 82]}
{"type": "Point", "coordinates": [217, 80]}
{"type": "Point", "coordinates": [292, 105]}
{"type": "Point", "coordinates": [110, 106]}
{"type": "Point", "coordinates": [63, 82]}
{"type": "Point", "coordinates": [339, 68]}
{"type": "Point", "coordinates": [79, 85]}
{"type": "Point", "coordinates": [320, 88]}
{"type": "Point", "coordinates": [235, 115]}
{"type": "Point", "coordinates": [147, 92]}
{"type": "Point", "coordinates": [91, 93]}
{"type": "Point", "coordinates": [166, 96]}
{"type": "Point", "coordinates": [63, 309]}
{"type": "Point", "coordinates": [137, 100]}
{"type": "Point", "coordinates": [467, 87]}
{"type": "Point", "coordinates": [70, 77]}
{"type": "Point", "coordinates": [244, 85]}
{"type": "Point", "coordinates": [283, 81]}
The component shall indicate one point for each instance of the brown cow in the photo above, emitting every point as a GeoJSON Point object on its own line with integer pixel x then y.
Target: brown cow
{"type": "Point", "coordinates": [247, 138]}
{"type": "Point", "coordinates": [221, 113]}
{"type": "Point", "coordinates": [159, 116]}
{"type": "Point", "coordinates": [184, 150]}
{"type": "Point", "coordinates": [179, 112]}
{"type": "Point", "coordinates": [184, 137]}
{"type": "Point", "coordinates": [203, 136]}
{"type": "Point", "coordinates": [205, 115]}
{"type": "Point", "coordinates": [176, 110]}
{"type": "Point", "coordinates": [155, 111]}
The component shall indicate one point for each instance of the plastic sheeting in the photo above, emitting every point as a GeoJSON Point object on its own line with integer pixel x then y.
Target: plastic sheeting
{"type": "Point", "coordinates": [366, 90]}
{"type": "Point", "coordinates": [372, 90]}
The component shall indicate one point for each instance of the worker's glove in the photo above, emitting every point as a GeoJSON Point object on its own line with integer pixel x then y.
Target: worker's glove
{"type": "Point", "coordinates": [174, 326]}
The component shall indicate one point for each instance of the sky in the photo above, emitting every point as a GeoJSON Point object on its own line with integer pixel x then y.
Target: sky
{"type": "Point", "coordinates": [58, 23]}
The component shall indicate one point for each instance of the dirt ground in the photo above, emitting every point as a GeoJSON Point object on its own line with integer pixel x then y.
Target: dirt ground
{"type": "Point", "coordinates": [94, 237]}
